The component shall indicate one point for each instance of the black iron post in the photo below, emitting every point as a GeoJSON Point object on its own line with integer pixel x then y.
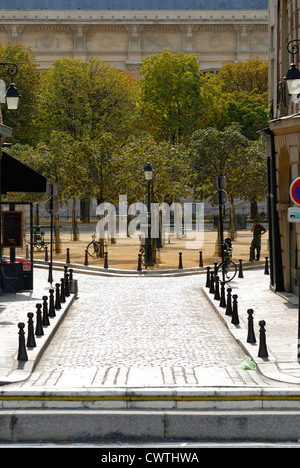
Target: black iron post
{"type": "Point", "coordinates": [139, 268]}
{"type": "Point", "coordinates": [180, 266]}
{"type": "Point", "coordinates": [207, 277]}
{"type": "Point", "coordinates": [229, 303]}
{"type": "Point", "coordinates": [22, 354]}
{"type": "Point", "coordinates": [222, 299]}
{"type": "Point", "coordinates": [262, 352]}
{"type": "Point", "coordinates": [217, 288]}
{"type": "Point", "coordinates": [51, 312]}
{"type": "Point", "coordinates": [30, 339]}
{"type": "Point", "coordinates": [50, 276]}
{"type": "Point", "coordinates": [235, 315]}
{"type": "Point", "coordinates": [39, 326]}
{"type": "Point", "coordinates": [251, 335]}
{"type": "Point", "coordinates": [149, 241]}
{"type": "Point", "coordinates": [46, 321]}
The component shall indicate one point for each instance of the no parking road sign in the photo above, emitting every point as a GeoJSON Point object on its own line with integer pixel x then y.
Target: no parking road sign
{"type": "Point", "coordinates": [295, 191]}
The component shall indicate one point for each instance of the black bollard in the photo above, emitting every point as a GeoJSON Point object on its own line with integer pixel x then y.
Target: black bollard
{"type": "Point", "coordinates": [46, 254]}
{"type": "Point", "coordinates": [207, 285]}
{"type": "Point", "coordinates": [222, 299]}
{"type": "Point", "coordinates": [68, 256]}
{"type": "Point", "coordinates": [217, 288]}
{"type": "Point", "coordinates": [180, 261]}
{"type": "Point", "coordinates": [67, 287]}
{"type": "Point", "coordinates": [139, 268]}
{"type": "Point", "coordinates": [235, 315]}
{"type": "Point", "coordinates": [86, 260]}
{"type": "Point", "coordinates": [51, 312]}
{"type": "Point", "coordinates": [212, 283]}
{"type": "Point", "coordinates": [200, 259]}
{"type": "Point", "coordinates": [105, 260]}
{"type": "Point", "coordinates": [251, 257]}
{"type": "Point", "coordinates": [57, 304]}
{"type": "Point", "coordinates": [62, 290]}
{"type": "Point", "coordinates": [50, 276]}
{"type": "Point", "coordinates": [71, 274]}
{"type": "Point", "coordinates": [46, 321]}
{"type": "Point", "coordinates": [241, 275]}
{"type": "Point", "coordinates": [229, 303]}
{"type": "Point", "coordinates": [262, 351]}
{"type": "Point", "coordinates": [30, 339]}
{"type": "Point", "coordinates": [22, 354]}
{"type": "Point", "coordinates": [266, 266]}
{"type": "Point", "coordinates": [216, 268]}
{"type": "Point", "coordinates": [251, 335]}
{"type": "Point", "coordinates": [39, 327]}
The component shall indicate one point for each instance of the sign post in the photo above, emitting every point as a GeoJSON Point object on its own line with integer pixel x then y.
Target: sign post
{"type": "Point", "coordinates": [294, 217]}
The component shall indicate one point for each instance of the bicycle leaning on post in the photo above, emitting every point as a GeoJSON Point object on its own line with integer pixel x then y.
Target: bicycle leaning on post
{"type": "Point", "coordinates": [94, 248]}
{"type": "Point", "coordinates": [227, 269]}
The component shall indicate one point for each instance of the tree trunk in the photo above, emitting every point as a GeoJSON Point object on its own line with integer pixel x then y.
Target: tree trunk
{"type": "Point", "coordinates": [232, 230]}
{"type": "Point", "coordinates": [75, 235]}
{"type": "Point", "coordinates": [57, 239]}
{"type": "Point", "coordinates": [85, 210]}
{"type": "Point", "coordinates": [253, 209]}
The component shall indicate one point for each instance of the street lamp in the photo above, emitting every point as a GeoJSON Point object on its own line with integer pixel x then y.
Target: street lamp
{"type": "Point", "coordinates": [149, 173]}
{"type": "Point", "coordinates": [12, 95]}
{"type": "Point", "coordinates": [292, 77]}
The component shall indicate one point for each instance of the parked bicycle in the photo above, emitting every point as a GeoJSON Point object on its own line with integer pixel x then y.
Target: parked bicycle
{"type": "Point", "coordinates": [227, 269]}
{"type": "Point", "coordinates": [94, 248]}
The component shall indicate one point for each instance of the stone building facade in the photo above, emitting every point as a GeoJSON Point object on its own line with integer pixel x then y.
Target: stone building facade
{"type": "Point", "coordinates": [124, 32]}
{"type": "Point", "coordinates": [283, 138]}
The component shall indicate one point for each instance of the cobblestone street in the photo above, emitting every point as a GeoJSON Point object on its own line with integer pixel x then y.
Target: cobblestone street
{"type": "Point", "coordinates": [120, 327]}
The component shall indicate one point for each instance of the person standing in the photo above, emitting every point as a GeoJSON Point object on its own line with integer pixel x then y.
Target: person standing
{"type": "Point", "coordinates": [258, 231]}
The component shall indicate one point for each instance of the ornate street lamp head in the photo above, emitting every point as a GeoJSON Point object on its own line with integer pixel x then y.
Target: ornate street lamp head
{"type": "Point", "coordinates": [148, 171]}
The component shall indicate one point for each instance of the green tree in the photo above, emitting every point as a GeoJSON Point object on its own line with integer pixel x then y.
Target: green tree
{"type": "Point", "coordinates": [27, 80]}
{"type": "Point", "coordinates": [176, 99]}
{"type": "Point", "coordinates": [87, 98]}
{"type": "Point", "coordinates": [170, 163]}
{"type": "Point", "coordinates": [248, 76]}
{"type": "Point", "coordinates": [244, 96]}
{"type": "Point", "coordinates": [252, 182]}
{"type": "Point", "coordinates": [217, 153]}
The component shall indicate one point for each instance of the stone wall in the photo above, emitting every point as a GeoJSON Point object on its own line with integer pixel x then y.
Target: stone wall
{"type": "Point", "coordinates": [125, 38]}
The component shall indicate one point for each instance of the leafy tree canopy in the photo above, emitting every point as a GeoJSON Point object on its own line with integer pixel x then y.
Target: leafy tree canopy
{"type": "Point", "coordinates": [87, 98]}
{"type": "Point", "coordinates": [27, 80]}
{"type": "Point", "coordinates": [175, 97]}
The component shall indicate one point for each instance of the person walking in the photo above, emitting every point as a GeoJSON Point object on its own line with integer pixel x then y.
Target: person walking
{"type": "Point", "coordinates": [258, 231]}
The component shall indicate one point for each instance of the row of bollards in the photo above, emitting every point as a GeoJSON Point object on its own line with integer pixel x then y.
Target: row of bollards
{"type": "Point", "coordinates": [139, 267]}
{"type": "Point", "coordinates": [45, 311]}
{"type": "Point", "coordinates": [229, 302]}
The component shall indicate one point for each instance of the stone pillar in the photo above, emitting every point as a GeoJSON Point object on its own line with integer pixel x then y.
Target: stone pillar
{"type": "Point", "coordinates": [134, 54]}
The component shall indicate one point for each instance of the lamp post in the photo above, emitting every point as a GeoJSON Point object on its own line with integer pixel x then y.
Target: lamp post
{"type": "Point", "coordinates": [149, 172]}
{"type": "Point", "coordinates": [12, 97]}
{"type": "Point", "coordinates": [292, 77]}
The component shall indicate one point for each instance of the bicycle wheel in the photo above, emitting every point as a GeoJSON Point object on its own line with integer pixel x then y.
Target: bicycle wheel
{"type": "Point", "coordinates": [227, 271]}
{"type": "Point", "coordinates": [92, 250]}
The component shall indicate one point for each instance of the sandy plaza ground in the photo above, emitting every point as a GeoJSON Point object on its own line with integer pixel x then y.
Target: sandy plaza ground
{"type": "Point", "coordinates": [123, 253]}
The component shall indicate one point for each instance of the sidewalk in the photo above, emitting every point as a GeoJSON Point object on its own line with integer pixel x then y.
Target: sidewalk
{"type": "Point", "coordinates": [279, 312]}
{"type": "Point", "coordinates": [13, 310]}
